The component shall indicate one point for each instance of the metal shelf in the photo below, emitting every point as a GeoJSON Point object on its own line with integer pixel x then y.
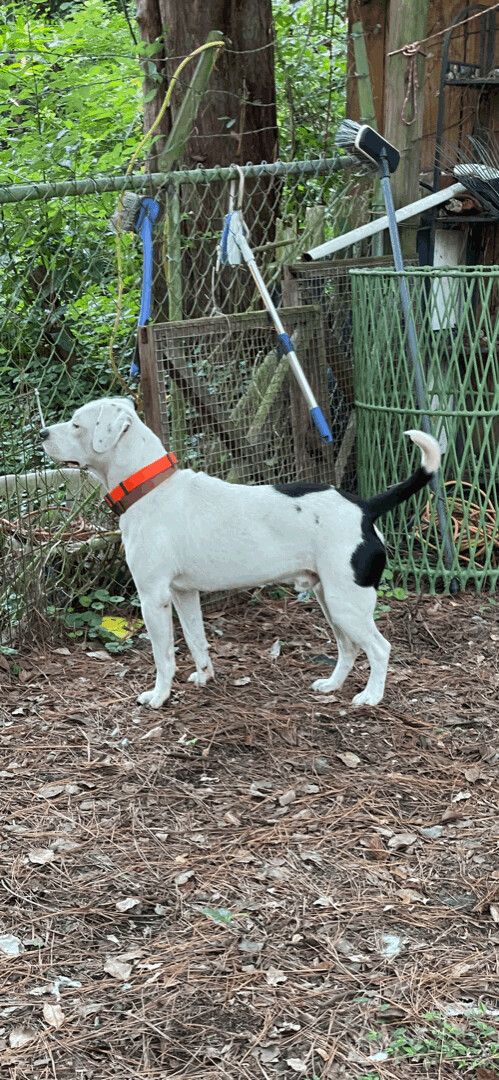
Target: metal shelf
{"type": "Point", "coordinates": [471, 82]}
{"type": "Point", "coordinates": [465, 219]}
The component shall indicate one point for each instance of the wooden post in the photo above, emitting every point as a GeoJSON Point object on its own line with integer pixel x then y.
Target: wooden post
{"type": "Point", "coordinates": [408, 22]}
{"type": "Point", "coordinates": [149, 384]}
{"type": "Point", "coordinates": [173, 255]}
{"type": "Point", "coordinates": [367, 116]}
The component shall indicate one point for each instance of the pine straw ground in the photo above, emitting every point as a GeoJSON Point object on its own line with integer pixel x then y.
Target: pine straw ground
{"type": "Point", "coordinates": [363, 890]}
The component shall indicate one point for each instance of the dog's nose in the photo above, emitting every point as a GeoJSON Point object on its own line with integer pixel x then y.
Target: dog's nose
{"type": "Point", "coordinates": [44, 434]}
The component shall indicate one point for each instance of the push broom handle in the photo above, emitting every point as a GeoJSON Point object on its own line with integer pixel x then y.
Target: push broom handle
{"type": "Point", "coordinates": [419, 386]}
{"type": "Point", "coordinates": [294, 363]}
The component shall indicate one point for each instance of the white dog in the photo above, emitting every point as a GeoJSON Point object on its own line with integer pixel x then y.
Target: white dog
{"type": "Point", "coordinates": [186, 532]}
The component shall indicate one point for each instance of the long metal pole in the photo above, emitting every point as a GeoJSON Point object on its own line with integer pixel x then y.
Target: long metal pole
{"type": "Point", "coordinates": [419, 386]}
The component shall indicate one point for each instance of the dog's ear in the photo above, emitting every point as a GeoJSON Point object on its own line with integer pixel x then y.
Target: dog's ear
{"type": "Point", "coordinates": [112, 422]}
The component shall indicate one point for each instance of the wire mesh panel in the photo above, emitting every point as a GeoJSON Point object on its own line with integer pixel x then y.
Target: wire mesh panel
{"type": "Point", "coordinates": [227, 402]}
{"type": "Point", "coordinates": [69, 308]}
{"type": "Point", "coordinates": [286, 208]}
{"type": "Point", "coordinates": [55, 542]}
{"type": "Point", "coordinates": [328, 284]}
{"type": "Point", "coordinates": [457, 329]}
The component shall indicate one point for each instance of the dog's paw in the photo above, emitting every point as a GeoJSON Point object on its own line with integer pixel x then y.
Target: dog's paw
{"type": "Point", "coordinates": [200, 678]}
{"type": "Point", "coordinates": [153, 698]}
{"type": "Point", "coordinates": [367, 698]}
{"type": "Point", "coordinates": [324, 686]}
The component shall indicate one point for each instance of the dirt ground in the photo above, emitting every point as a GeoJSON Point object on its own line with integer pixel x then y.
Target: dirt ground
{"type": "Point", "coordinates": [252, 880]}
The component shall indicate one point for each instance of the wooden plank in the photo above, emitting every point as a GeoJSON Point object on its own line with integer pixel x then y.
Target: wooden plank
{"type": "Point", "coordinates": [367, 116]}
{"type": "Point", "coordinates": [364, 89]}
{"type": "Point", "coordinates": [374, 18]}
{"type": "Point", "coordinates": [408, 22]}
{"type": "Point", "coordinates": [347, 444]}
{"type": "Point", "coordinates": [149, 383]}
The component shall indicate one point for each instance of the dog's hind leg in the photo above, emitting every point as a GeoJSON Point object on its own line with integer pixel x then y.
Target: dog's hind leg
{"type": "Point", "coordinates": [188, 608]}
{"type": "Point", "coordinates": [158, 619]}
{"type": "Point", "coordinates": [347, 650]}
{"type": "Point", "coordinates": [353, 615]}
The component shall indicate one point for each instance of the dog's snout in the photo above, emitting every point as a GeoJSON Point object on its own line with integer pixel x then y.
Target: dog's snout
{"type": "Point", "coordinates": [44, 434]}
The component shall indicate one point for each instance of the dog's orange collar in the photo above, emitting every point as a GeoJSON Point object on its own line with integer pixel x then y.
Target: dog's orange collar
{"type": "Point", "coordinates": [137, 485]}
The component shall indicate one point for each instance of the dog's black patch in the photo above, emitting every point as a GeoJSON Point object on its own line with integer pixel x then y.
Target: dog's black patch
{"type": "Point", "coordinates": [298, 509]}
{"type": "Point", "coordinates": [317, 520]}
{"type": "Point", "coordinates": [369, 558]}
{"type": "Point", "coordinates": [297, 489]}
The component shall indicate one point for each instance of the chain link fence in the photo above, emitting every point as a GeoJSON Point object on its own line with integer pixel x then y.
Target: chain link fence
{"type": "Point", "coordinates": [59, 297]}
{"type": "Point", "coordinates": [455, 312]}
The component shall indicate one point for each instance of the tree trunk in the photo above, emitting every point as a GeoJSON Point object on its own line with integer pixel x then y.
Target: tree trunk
{"type": "Point", "coordinates": [237, 120]}
{"type": "Point", "coordinates": [235, 123]}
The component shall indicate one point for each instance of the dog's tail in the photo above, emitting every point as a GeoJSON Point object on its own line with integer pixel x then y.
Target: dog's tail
{"type": "Point", "coordinates": [388, 500]}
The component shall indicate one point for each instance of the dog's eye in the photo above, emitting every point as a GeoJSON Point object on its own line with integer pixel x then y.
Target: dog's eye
{"type": "Point", "coordinates": [76, 426]}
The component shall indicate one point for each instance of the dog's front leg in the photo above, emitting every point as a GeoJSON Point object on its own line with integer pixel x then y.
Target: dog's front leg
{"type": "Point", "coordinates": [158, 619]}
{"type": "Point", "coordinates": [188, 608]}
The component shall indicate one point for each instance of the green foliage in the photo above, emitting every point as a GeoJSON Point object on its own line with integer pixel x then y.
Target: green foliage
{"type": "Point", "coordinates": [83, 618]}
{"type": "Point", "coordinates": [223, 916]}
{"type": "Point", "coordinates": [310, 71]}
{"type": "Point", "coordinates": [468, 1044]}
{"type": "Point", "coordinates": [69, 92]}
{"type": "Point", "coordinates": [388, 591]}
{"type": "Point", "coordinates": [70, 105]}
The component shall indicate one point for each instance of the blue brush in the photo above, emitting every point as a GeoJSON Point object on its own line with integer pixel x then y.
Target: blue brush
{"type": "Point", "coordinates": [137, 214]}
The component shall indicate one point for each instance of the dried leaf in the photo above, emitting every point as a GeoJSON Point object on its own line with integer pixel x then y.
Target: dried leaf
{"type": "Point", "coordinates": [402, 840]}
{"type": "Point", "coordinates": [287, 797]}
{"type": "Point", "coordinates": [297, 1064]}
{"type": "Point", "coordinates": [153, 733]}
{"type": "Point", "coordinates": [53, 1015]}
{"type": "Point", "coordinates": [460, 796]}
{"type": "Point", "coordinates": [41, 856]}
{"type": "Point", "coordinates": [494, 911]}
{"type": "Point", "coordinates": [377, 848]}
{"type": "Point", "coordinates": [118, 969]}
{"type": "Point", "coordinates": [21, 1036]}
{"type": "Point", "coordinates": [275, 650]}
{"type": "Point", "coordinates": [127, 904]}
{"type": "Point", "coordinates": [348, 759]}
{"type": "Point", "coordinates": [242, 682]}
{"type": "Point", "coordinates": [49, 791]}
{"type": "Point", "coordinates": [474, 773]}
{"type": "Point", "coordinates": [10, 945]}
{"type": "Point", "coordinates": [250, 946]}
{"type": "Point", "coordinates": [269, 1054]}
{"type": "Point", "coordinates": [274, 977]}
{"type": "Point", "coordinates": [182, 878]}
{"type": "Point", "coordinates": [391, 945]}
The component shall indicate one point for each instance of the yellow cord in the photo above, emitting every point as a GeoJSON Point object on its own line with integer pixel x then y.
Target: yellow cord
{"type": "Point", "coordinates": [143, 141]}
